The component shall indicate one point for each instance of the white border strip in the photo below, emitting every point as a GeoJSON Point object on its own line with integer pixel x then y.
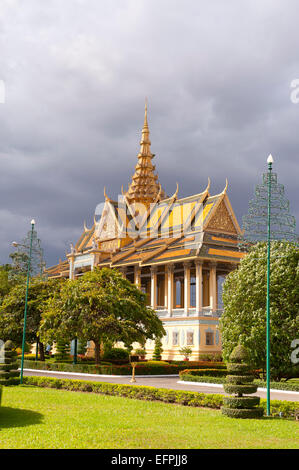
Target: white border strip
{"type": "Point", "coordinates": [204, 384]}
{"type": "Point", "coordinates": [95, 375]}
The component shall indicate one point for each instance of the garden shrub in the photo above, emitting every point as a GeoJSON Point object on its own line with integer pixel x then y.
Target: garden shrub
{"type": "Point", "coordinates": [115, 354]}
{"type": "Point", "coordinates": [9, 374]}
{"type": "Point", "coordinates": [239, 382]}
{"type": "Point", "coordinates": [63, 350]}
{"type": "Point", "coordinates": [142, 368]}
{"type": "Point", "coordinates": [157, 354]}
{"type": "Point", "coordinates": [201, 378]}
{"type": "Point", "coordinates": [205, 372]}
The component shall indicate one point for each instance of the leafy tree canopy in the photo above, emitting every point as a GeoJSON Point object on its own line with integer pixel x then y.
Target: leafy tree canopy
{"type": "Point", "coordinates": [13, 306]}
{"type": "Point", "coordinates": [244, 298]}
{"type": "Point", "coordinates": [100, 306]}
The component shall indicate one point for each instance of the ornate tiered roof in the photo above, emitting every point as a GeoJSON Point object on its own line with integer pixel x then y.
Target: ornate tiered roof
{"type": "Point", "coordinates": [169, 229]}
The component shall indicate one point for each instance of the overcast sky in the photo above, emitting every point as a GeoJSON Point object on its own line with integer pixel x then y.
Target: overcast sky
{"type": "Point", "coordinates": [217, 75]}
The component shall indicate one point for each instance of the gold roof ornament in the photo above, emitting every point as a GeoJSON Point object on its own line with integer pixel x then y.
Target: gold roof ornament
{"type": "Point", "coordinates": [145, 186]}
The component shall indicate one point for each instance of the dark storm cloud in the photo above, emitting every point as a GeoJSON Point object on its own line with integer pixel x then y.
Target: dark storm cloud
{"type": "Point", "coordinates": [217, 75]}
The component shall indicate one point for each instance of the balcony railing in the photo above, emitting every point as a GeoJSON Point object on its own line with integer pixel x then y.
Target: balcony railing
{"type": "Point", "coordinates": [179, 312]}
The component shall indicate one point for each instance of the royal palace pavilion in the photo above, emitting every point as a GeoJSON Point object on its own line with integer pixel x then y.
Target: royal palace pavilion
{"type": "Point", "coordinates": [177, 250]}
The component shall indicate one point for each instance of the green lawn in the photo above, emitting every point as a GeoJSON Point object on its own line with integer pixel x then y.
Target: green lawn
{"type": "Point", "coordinates": [31, 417]}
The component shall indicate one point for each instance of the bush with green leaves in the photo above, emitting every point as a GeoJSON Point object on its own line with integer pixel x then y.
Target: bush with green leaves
{"type": "Point", "coordinates": [115, 354]}
{"type": "Point", "coordinates": [62, 350]}
{"type": "Point", "coordinates": [9, 374]}
{"type": "Point", "coordinates": [244, 297]}
{"type": "Point", "coordinates": [157, 354]}
{"type": "Point", "coordinates": [240, 381]}
{"type": "Point", "coordinates": [203, 372]}
{"type": "Point", "coordinates": [186, 352]}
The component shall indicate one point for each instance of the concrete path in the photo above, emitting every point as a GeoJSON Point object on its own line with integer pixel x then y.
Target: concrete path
{"type": "Point", "coordinates": [161, 382]}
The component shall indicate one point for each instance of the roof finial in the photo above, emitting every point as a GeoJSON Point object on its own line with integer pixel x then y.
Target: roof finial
{"type": "Point", "coordinates": [209, 184]}
{"type": "Point", "coordinates": [145, 124]}
{"type": "Point", "coordinates": [226, 185]}
{"type": "Point", "coordinates": [105, 195]}
{"type": "Point", "coordinates": [145, 186]}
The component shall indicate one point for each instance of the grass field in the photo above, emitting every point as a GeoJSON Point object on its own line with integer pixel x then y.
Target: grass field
{"type": "Point", "coordinates": [32, 417]}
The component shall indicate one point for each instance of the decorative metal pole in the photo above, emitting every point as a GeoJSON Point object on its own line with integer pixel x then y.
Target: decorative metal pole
{"type": "Point", "coordinates": [36, 349]}
{"type": "Point", "coordinates": [269, 161]}
{"type": "Point", "coordinates": [75, 350]}
{"type": "Point", "coordinates": [26, 300]}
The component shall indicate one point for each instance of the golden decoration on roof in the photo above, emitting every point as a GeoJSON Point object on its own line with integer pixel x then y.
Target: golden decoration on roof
{"type": "Point", "coordinates": [145, 186]}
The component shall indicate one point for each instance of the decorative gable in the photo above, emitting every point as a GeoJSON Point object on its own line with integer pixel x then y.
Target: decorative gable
{"type": "Point", "coordinates": [222, 220]}
{"type": "Point", "coordinates": [108, 227]}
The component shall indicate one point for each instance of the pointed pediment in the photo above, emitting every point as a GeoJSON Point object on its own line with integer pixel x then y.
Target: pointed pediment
{"type": "Point", "coordinates": [222, 220]}
{"type": "Point", "coordinates": [108, 226]}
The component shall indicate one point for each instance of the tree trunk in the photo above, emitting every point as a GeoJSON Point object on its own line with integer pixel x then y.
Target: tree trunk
{"type": "Point", "coordinates": [41, 351]}
{"type": "Point", "coordinates": [97, 351]}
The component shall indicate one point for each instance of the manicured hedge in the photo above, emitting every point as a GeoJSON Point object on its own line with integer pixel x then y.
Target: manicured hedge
{"type": "Point", "coordinates": [204, 379]}
{"type": "Point", "coordinates": [142, 368]}
{"type": "Point", "coordinates": [287, 408]}
{"type": "Point", "coordinates": [278, 385]}
{"type": "Point", "coordinates": [290, 387]}
{"type": "Point", "coordinates": [205, 372]}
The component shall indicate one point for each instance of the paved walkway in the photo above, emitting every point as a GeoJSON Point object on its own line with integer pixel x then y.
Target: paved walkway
{"type": "Point", "coordinates": [161, 382]}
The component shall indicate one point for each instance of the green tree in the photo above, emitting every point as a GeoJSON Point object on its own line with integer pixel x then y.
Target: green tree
{"type": "Point", "coordinates": [7, 282]}
{"type": "Point", "coordinates": [244, 298]}
{"type": "Point", "coordinates": [100, 306]}
{"type": "Point", "coordinates": [12, 311]}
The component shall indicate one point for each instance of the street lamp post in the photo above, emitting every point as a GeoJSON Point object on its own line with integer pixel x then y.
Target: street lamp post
{"type": "Point", "coordinates": [269, 161]}
{"type": "Point", "coordinates": [26, 300]}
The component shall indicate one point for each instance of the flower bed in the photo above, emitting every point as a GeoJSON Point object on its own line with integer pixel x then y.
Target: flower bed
{"type": "Point", "coordinates": [142, 368]}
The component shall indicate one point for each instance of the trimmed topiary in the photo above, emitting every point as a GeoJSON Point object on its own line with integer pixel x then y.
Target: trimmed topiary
{"type": "Point", "coordinates": [62, 350]}
{"type": "Point", "coordinates": [157, 354]}
{"type": "Point", "coordinates": [9, 373]}
{"type": "Point", "coordinates": [239, 381]}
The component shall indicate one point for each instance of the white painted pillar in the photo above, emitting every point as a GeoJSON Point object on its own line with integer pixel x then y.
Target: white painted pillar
{"type": "Point", "coordinates": [153, 286]}
{"type": "Point", "coordinates": [198, 286]}
{"type": "Point", "coordinates": [166, 287]}
{"type": "Point", "coordinates": [213, 287]}
{"type": "Point", "coordinates": [170, 269]}
{"type": "Point", "coordinates": [137, 276]}
{"type": "Point", "coordinates": [71, 272]}
{"type": "Point", "coordinates": [186, 288]}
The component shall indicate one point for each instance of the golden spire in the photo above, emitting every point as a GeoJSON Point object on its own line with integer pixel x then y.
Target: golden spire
{"type": "Point", "coordinates": [145, 185]}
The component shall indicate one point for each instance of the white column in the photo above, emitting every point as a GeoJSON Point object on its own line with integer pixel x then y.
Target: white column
{"type": "Point", "coordinates": [186, 288]}
{"type": "Point", "coordinates": [137, 275]}
{"type": "Point", "coordinates": [198, 287]}
{"type": "Point", "coordinates": [213, 287]}
{"type": "Point", "coordinates": [71, 274]}
{"type": "Point", "coordinates": [166, 287]}
{"type": "Point", "coordinates": [153, 286]}
{"type": "Point", "coordinates": [170, 268]}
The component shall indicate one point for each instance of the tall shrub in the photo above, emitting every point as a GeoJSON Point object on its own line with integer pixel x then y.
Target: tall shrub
{"type": "Point", "coordinates": [9, 374]}
{"type": "Point", "coordinates": [239, 382]}
{"type": "Point", "coordinates": [157, 355]}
